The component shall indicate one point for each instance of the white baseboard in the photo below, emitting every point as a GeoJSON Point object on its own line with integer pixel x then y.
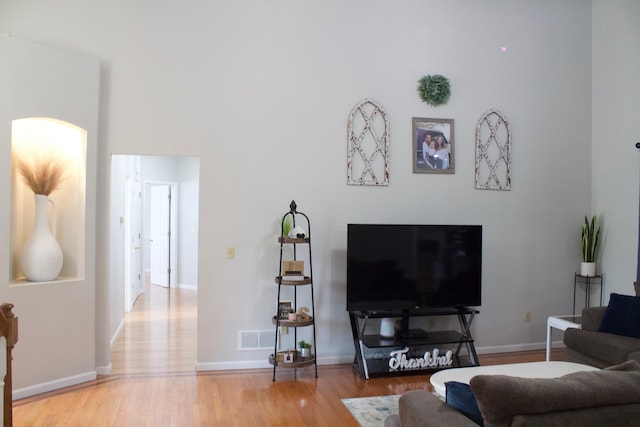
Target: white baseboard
{"type": "Point", "coordinates": [239, 365]}
{"type": "Point", "coordinates": [187, 286]}
{"type": "Point", "coordinates": [104, 370]}
{"type": "Point", "coordinates": [53, 385]}
{"type": "Point", "coordinates": [115, 335]}
{"type": "Point", "coordinates": [511, 348]}
{"type": "Point", "coordinates": [345, 359]}
{"type": "Point", "coordinates": [226, 366]}
{"type": "Point", "coordinates": [263, 363]}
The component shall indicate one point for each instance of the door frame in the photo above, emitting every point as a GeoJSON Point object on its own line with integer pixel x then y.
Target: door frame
{"type": "Point", "coordinates": [130, 295]}
{"type": "Point", "coordinates": [173, 229]}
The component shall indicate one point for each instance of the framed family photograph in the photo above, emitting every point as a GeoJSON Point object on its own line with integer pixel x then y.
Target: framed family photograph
{"type": "Point", "coordinates": [433, 145]}
{"type": "Point", "coordinates": [283, 309]}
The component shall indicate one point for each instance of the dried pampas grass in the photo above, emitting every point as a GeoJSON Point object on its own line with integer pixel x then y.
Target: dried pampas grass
{"type": "Point", "coordinates": [42, 176]}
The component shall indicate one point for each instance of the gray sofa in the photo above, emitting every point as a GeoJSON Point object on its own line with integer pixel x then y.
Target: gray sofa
{"type": "Point", "coordinates": [599, 349]}
{"type": "Point", "coordinates": [610, 397]}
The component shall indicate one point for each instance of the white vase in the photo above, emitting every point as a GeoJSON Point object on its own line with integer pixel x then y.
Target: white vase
{"type": "Point", "coordinates": [588, 269]}
{"type": "Point", "coordinates": [41, 258]}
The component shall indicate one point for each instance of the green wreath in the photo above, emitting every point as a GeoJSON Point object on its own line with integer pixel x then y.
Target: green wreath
{"type": "Point", "coordinates": [434, 90]}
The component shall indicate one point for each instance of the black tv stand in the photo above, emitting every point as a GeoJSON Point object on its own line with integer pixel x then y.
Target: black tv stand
{"type": "Point", "coordinates": [410, 334]}
{"type": "Point", "coordinates": [412, 351]}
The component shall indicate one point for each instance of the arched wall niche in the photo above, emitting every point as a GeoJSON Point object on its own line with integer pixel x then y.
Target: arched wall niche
{"type": "Point", "coordinates": [40, 139]}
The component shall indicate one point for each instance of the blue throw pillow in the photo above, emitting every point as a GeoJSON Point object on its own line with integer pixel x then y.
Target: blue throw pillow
{"type": "Point", "coordinates": [460, 397]}
{"type": "Point", "coordinates": [622, 316]}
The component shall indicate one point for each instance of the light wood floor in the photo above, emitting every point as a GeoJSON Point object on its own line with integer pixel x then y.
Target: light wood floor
{"type": "Point", "coordinates": [160, 333]}
{"type": "Point", "coordinates": [154, 384]}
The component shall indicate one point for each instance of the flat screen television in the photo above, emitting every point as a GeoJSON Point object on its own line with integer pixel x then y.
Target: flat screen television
{"type": "Point", "coordinates": [413, 267]}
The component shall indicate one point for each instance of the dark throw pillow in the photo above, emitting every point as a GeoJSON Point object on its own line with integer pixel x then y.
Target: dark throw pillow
{"type": "Point", "coordinates": [622, 316]}
{"type": "Point", "coordinates": [460, 397]}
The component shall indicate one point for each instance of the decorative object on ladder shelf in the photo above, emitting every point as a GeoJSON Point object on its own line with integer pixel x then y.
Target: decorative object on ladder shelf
{"type": "Point", "coordinates": [41, 259]}
{"type": "Point", "coordinates": [305, 348]}
{"type": "Point", "coordinates": [590, 237]}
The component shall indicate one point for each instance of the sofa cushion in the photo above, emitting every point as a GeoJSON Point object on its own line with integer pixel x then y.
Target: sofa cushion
{"type": "Point", "coordinates": [501, 397]}
{"type": "Point", "coordinates": [422, 408]}
{"type": "Point", "coordinates": [609, 348]}
{"type": "Point", "coordinates": [592, 318]}
{"type": "Point", "coordinates": [459, 396]}
{"type": "Point", "coordinates": [622, 316]}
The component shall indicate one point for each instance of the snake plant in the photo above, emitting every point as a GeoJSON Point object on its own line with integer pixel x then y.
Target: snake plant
{"type": "Point", "coordinates": [590, 236]}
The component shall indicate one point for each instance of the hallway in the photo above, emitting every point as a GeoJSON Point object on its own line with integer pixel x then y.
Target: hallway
{"type": "Point", "coordinates": [159, 334]}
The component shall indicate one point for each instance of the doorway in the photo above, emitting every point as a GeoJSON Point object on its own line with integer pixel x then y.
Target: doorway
{"type": "Point", "coordinates": [162, 232]}
{"type": "Point", "coordinates": [133, 243]}
{"type": "Point", "coordinates": [158, 198]}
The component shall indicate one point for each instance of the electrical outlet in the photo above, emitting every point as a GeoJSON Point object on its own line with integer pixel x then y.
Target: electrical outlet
{"type": "Point", "coordinates": [284, 330]}
{"type": "Point", "coordinates": [527, 317]}
{"type": "Point", "coordinates": [231, 253]}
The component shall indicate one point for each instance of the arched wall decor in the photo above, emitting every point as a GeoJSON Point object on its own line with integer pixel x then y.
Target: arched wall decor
{"type": "Point", "coordinates": [368, 145]}
{"type": "Point", "coordinates": [493, 152]}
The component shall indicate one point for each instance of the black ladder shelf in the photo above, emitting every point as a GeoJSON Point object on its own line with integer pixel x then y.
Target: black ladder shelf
{"type": "Point", "coordinates": [294, 358]}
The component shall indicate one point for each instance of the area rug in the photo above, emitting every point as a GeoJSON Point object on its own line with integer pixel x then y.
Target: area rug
{"type": "Point", "coordinates": [372, 411]}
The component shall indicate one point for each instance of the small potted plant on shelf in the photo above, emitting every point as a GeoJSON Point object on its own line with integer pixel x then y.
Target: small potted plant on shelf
{"type": "Point", "coordinates": [287, 225]}
{"type": "Point", "coordinates": [590, 237]}
{"type": "Point", "coordinates": [292, 315]}
{"type": "Point", "coordinates": [305, 348]}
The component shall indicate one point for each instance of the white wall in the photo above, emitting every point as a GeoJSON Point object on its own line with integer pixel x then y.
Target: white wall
{"type": "Point", "coordinates": [57, 319]}
{"type": "Point", "coordinates": [260, 92]}
{"type": "Point", "coordinates": [616, 129]}
{"type": "Point", "coordinates": [121, 168]}
{"type": "Point", "coordinates": [189, 179]}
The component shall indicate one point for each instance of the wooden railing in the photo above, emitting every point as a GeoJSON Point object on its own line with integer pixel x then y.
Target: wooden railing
{"type": "Point", "coordinates": [8, 330]}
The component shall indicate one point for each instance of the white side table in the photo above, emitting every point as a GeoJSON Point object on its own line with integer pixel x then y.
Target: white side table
{"type": "Point", "coordinates": [561, 323]}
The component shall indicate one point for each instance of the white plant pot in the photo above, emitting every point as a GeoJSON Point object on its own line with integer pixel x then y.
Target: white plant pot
{"type": "Point", "coordinates": [588, 269]}
{"type": "Point", "coordinates": [41, 258]}
{"type": "Point", "coordinates": [305, 352]}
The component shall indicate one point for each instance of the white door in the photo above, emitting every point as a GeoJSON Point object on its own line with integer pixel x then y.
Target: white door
{"type": "Point", "coordinates": [160, 235]}
{"type": "Point", "coordinates": [133, 239]}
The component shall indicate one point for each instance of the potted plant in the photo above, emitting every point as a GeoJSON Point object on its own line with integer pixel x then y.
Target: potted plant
{"type": "Point", "coordinates": [305, 348]}
{"type": "Point", "coordinates": [292, 315]}
{"type": "Point", "coordinates": [287, 225]}
{"type": "Point", "coordinates": [590, 237]}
